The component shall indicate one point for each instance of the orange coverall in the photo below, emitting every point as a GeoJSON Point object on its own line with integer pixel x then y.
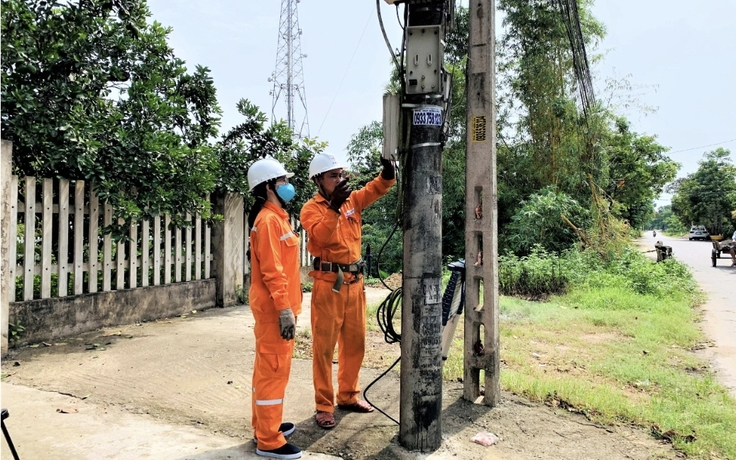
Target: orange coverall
{"type": "Point", "coordinates": [275, 285]}
{"type": "Point", "coordinates": [338, 317]}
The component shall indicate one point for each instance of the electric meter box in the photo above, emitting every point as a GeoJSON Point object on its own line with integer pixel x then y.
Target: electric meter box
{"type": "Point", "coordinates": [424, 56]}
{"type": "Point", "coordinates": [391, 110]}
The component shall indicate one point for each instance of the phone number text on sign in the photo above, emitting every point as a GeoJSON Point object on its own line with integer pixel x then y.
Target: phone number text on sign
{"type": "Point", "coordinates": [428, 116]}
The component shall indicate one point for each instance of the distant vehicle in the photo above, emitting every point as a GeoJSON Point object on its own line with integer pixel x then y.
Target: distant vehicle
{"type": "Point", "coordinates": [698, 232]}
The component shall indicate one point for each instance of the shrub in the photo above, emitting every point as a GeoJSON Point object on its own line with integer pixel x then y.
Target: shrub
{"type": "Point", "coordinates": [542, 273]}
{"type": "Point", "coordinates": [535, 275]}
{"type": "Point", "coordinates": [539, 221]}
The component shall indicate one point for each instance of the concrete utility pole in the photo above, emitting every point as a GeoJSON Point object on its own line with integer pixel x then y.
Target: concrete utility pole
{"type": "Point", "coordinates": [421, 324]}
{"type": "Point", "coordinates": [481, 210]}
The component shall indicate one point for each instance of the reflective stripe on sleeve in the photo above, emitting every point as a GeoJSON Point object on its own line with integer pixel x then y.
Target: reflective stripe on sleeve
{"type": "Point", "coordinates": [288, 235]}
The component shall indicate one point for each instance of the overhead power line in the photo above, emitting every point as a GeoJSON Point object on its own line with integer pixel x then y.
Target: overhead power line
{"type": "Point", "coordinates": [337, 91]}
{"type": "Point", "coordinates": [702, 146]}
{"type": "Point", "coordinates": [569, 11]}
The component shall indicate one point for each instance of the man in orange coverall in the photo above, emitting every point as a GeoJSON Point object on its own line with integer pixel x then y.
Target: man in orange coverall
{"type": "Point", "coordinates": [332, 219]}
{"type": "Point", "coordinates": [276, 300]}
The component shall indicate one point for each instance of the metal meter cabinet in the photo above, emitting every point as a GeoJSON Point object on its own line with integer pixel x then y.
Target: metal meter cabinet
{"type": "Point", "coordinates": [424, 56]}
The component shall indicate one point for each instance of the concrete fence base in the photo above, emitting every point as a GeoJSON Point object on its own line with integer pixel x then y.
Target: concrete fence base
{"type": "Point", "coordinates": [53, 318]}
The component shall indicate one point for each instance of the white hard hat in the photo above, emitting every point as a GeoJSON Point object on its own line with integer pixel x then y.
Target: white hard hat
{"type": "Point", "coordinates": [323, 162]}
{"type": "Point", "coordinates": [264, 170]}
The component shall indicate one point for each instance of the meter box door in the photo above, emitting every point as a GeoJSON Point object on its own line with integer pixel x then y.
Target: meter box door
{"type": "Point", "coordinates": [424, 56]}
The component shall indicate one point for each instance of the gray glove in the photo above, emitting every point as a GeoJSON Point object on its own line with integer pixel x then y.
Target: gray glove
{"type": "Point", "coordinates": [340, 194]}
{"type": "Point", "coordinates": [287, 323]}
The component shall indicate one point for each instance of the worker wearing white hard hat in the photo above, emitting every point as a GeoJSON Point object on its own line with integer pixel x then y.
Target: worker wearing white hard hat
{"type": "Point", "coordinates": [323, 162]}
{"type": "Point", "coordinates": [275, 298]}
{"type": "Point", "coordinates": [264, 170]}
{"type": "Point", "coordinates": [333, 223]}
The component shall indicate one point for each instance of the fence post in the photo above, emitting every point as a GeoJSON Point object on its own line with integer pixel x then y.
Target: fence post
{"type": "Point", "coordinates": [228, 248]}
{"type": "Point", "coordinates": [6, 281]}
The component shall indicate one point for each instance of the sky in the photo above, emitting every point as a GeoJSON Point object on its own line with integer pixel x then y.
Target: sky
{"type": "Point", "coordinates": [677, 57]}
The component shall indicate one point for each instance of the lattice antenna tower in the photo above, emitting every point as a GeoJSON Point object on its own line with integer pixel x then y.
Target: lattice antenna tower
{"type": "Point", "coordinates": [288, 78]}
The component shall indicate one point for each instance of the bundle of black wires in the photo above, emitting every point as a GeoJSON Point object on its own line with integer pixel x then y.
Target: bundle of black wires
{"type": "Point", "coordinates": [385, 316]}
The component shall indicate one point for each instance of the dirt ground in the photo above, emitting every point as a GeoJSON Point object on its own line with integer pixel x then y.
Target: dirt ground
{"type": "Point", "coordinates": [194, 371]}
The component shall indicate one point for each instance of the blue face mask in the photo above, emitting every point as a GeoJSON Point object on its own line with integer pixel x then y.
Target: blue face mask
{"type": "Point", "coordinates": [286, 192]}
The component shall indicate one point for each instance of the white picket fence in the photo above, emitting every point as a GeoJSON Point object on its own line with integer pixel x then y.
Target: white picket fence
{"type": "Point", "coordinates": [66, 242]}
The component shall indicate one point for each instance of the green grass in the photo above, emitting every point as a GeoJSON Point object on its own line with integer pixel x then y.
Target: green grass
{"type": "Point", "coordinates": [618, 346]}
{"type": "Point", "coordinates": [630, 365]}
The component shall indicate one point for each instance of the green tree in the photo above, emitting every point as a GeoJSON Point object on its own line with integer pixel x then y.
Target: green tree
{"type": "Point", "coordinates": [666, 220]}
{"type": "Point", "coordinates": [637, 171]}
{"type": "Point", "coordinates": [553, 143]}
{"type": "Point", "coordinates": [708, 196]}
{"type": "Point", "coordinates": [545, 139]}
{"type": "Point", "coordinates": [381, 218]}
{"type": "Point", "coordinates": [538, 222]}
{"type": "Point", "coordinates": [252, 140]}
{"type": "Point", "coordinates": [92, 91]}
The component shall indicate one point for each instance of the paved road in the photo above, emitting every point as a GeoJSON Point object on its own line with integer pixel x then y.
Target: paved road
{"type": "Point", "coordinates": [719, 322]}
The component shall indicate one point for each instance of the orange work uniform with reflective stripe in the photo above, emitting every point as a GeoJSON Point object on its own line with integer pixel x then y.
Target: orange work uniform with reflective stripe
{"type": "Point", "coordinates": [338, 317]}
{"type": "Point", "coordinates": [275, 285]}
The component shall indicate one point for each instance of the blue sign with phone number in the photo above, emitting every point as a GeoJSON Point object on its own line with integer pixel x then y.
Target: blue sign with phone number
{"type": "Point", "coordinates": [427, 117]}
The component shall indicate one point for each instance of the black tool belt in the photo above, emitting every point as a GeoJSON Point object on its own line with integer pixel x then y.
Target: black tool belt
{"type": "Point", "coordinates": [356, 268]}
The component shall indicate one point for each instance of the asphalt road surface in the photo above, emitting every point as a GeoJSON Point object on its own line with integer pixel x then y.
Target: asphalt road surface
{"type": "Point", "coordinates": [719, 282]}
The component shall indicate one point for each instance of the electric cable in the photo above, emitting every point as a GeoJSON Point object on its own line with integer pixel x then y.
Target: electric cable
{"type": "Point", "coordinates": [365, 392]}
{"type": "Point", "coordinates": [385, 317]}
{"type": "Point", "coordinates": [702, 146]}
{"type": "Point", "coordinates": [378, 257]}
{"type": "Point", "coordinates": [385, 36]}
{"type": "Point", "coordinates": [391, 304]}
{"type": "Point", "coordinates": [337, 91]}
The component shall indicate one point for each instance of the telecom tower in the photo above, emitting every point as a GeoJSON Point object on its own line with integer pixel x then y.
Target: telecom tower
{"type": "Point", "coordinates": [288, 78]}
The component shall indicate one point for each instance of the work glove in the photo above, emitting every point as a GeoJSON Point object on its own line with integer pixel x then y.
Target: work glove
{"type": "Point", "coordinates": [287, 323]}
{"type": "Point", "coordinates": [340, 194]}
{"type": "Point", "coordinates": [388, 172]}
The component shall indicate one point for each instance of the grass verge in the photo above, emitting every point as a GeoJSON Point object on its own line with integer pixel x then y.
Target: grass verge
{"type": "Point", "coordinates": [619, 349]}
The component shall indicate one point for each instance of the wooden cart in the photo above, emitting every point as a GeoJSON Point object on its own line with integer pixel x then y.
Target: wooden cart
{"type": "Point", "coordinates": [720, 248]}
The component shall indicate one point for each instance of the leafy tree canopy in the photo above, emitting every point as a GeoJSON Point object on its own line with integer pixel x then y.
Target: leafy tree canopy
{"type": "Point", "coordinates": [252, 140]}
{"type": "Point", "coordinates": [708, 196]}
{"type": "Point", "coordinates": [92, 90]}
{"type": "Point", "coordinates": [636, 170]}
{"type": "Point", "coordinates": [539, 222]}
{"type": "Point", "coordinates": [379, 219]}
{"type": "Point", "coordinates": [666, 220]}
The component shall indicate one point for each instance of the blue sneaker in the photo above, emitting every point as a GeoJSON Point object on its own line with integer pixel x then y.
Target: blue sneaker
{"type": "Point", "coordinates": [285, 451]}
{"type": "Point", "coordinates": [287, 428]}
